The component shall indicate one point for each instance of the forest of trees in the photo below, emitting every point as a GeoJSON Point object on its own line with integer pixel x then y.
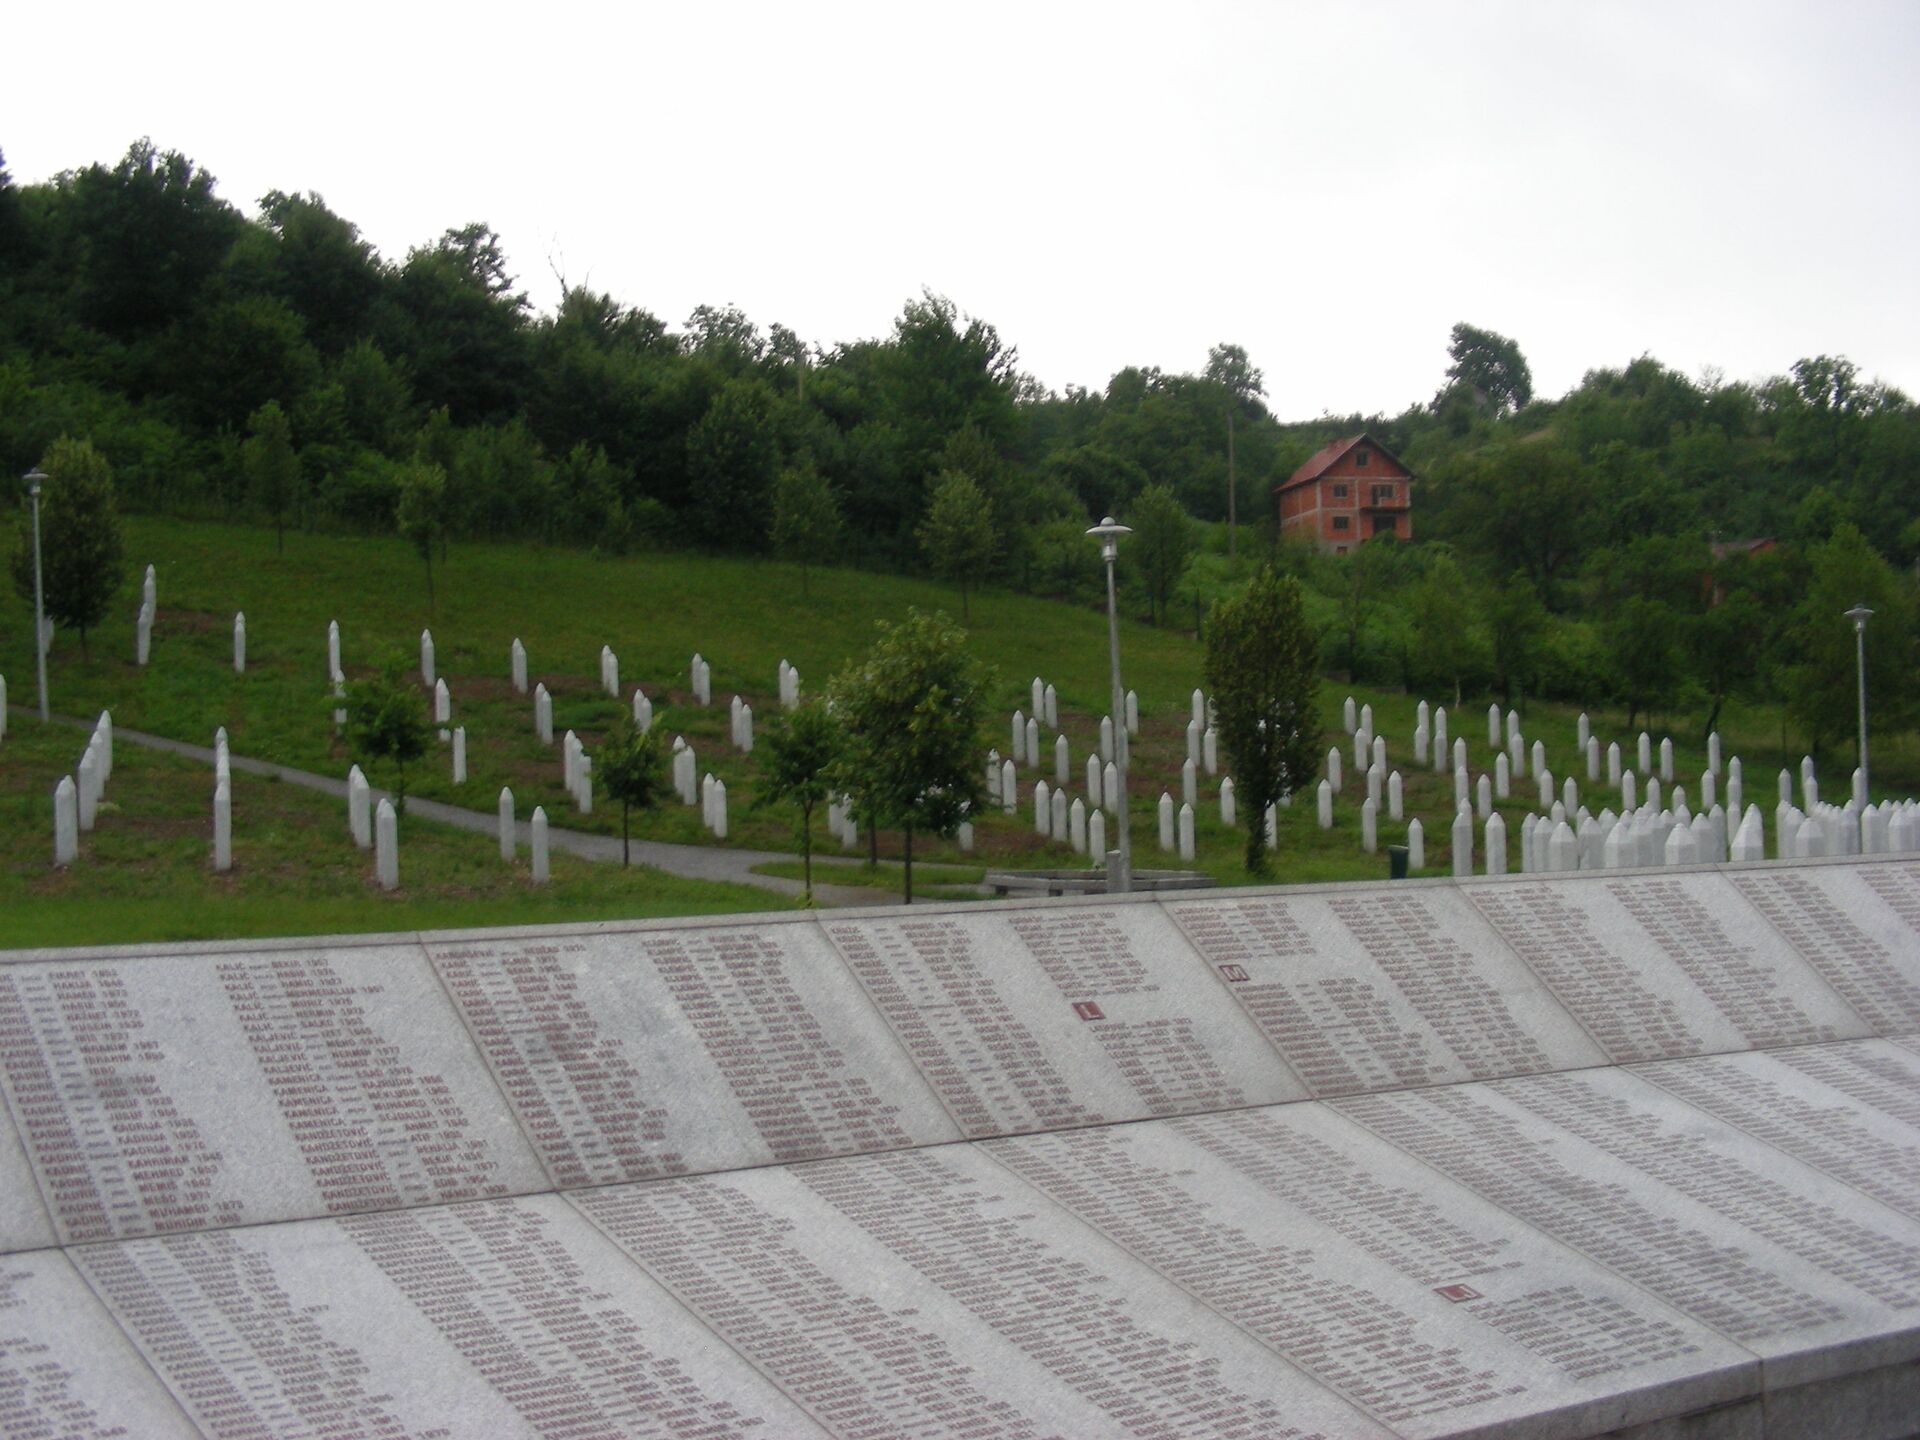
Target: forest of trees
{"type": "Point", "coordinates": [274, 367]}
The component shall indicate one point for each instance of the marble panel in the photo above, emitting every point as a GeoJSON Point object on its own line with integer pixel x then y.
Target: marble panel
{"type": "Point", "coordinates": [65, 1368]}
{"type": "Point", "coordinates": [1661, 965]}
{"type": "Point", "coordinates": [1814, 1277]}
{"type": "Point", "coordinates": [1050, 1016]}
{"type": "Point", "coordinates": [1435, 1312]}
{"type": "Point", "coordinates": [1380, 987]}
{"type": "Point", "coordinates": [187, 1093]}
{"type": "Point", "coordinates": [1857, 924]}
{"type": "Point", "coordinates": [931, 1293]}
{"type": "Point", "coordinates": [499, 1318]}
{"type": "Point", "coordinates": [634, 1053]}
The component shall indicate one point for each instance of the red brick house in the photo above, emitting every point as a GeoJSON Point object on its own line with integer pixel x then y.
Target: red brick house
{"type": "Point", "coordinates": [1349, 492]}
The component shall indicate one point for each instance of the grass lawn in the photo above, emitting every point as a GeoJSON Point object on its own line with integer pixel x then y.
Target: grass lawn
{"type": "Point", "coordinates": [145, 872]}
{"type": "Point", "coordinates": [744, 616]}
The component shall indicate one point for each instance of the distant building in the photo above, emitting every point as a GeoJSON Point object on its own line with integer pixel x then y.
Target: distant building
{"type": "Point", "coordinates": [1349, 492]}
{"type": "Point", "coordinates": [1724, 551]}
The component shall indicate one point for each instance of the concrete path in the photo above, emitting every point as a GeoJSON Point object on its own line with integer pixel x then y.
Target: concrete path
{"type": "Point", "coordinates": [695, 862]}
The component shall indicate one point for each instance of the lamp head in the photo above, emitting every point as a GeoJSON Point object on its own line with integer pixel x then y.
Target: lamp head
{"type": "Point", "coordinates": [1858, 614]}
{"type": "Point", "coordinates": [1110, 534]}
{"type": "Point", "coordinates": [35, 478]}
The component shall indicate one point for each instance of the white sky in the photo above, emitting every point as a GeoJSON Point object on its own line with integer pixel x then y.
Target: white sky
{"type": "Point", "coordinates": [1332, 185]}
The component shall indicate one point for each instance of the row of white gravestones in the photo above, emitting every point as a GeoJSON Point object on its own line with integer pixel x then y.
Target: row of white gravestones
{"type": "Point", "coordinates": [1026, 739]}
{"type": "Point", "coordinates": [1046, 703]}
{"type": "Point", "coordinates": [700, 674]}
{"type": "Point", "coordinates": [789, 686]}
{"type": "Point", "coordinates": [1176, 827]}
{"type": "Point", "coordinates": [609, 671]}
{"type": "Point", "coordinates": [740, 725]}
{"type": "Point", "coordinates": [537, 834]}
{"type": "Point", "coordinates": [685, 770]}
{"type": "Point", "coordinates": [713, 804]}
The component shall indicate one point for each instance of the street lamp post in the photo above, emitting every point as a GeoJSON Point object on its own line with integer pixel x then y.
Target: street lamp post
{"type": "Point", "coordinates": [34, 481]}
{"type": "Point", "coordinates": [1119, 880]}
{"type": "Point", "coordinates": [1858, 614]}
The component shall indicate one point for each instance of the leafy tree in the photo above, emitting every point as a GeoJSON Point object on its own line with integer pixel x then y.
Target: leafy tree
{"type": "Point", "coordinates": [956, 536]}
{"type": "Point", "coordinates": [82, 556]}
{"type": "Point", "coordinates": [1515, 624]}
{"type": "Point", "coordinates": [1725, 643]}
{"type": "Point", "coordinates": [1444, 624]}
{"type": "Point", "coordinates": [1162, 546]}
{"type": "Point", "coordinates": [914, 710]}
{"type": "Point", "coordinates": [1262, 667]}
{"type": "Point", "coordinates": [1820, 679]}
{"type": "Point", "coordinates": [806, 517]}
{"type": "Point", "coordinates": [420, 514]}
{"type": "Point", "coordinates": [802, 757]}
{"type": "Point", "coordinates": [1229, 368]}
{"type": "Point", "coordinates": [732, 456]}
{"type": "Point", "coordinates": [272, 468]}
{"type": "Point", "coordinates": [628, 769]}
{"type": "Point", "coordinates": [1643, 641]}
{"type": "Point", "coordinates": [387, 720]}
{"type": "Point", "coordinates": [1490, 368]}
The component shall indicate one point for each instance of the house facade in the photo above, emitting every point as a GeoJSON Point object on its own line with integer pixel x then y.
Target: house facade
{"type": "Point", "coordinates": [1349, 492]}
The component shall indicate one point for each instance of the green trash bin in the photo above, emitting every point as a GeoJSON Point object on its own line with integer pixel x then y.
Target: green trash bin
{"type": "Point", "coordinates": [1396, 862]}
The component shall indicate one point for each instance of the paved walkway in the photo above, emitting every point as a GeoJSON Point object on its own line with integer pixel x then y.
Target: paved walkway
{"type": "Point", "coordinates": [695, 862]}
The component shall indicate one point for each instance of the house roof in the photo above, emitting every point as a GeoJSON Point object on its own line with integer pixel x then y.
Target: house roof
{"type": "Point", "coordinates": [1323, 460]}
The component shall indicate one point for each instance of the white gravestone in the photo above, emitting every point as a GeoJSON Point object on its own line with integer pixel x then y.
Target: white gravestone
{"type": "Point", "coordinates": [1713, 752]}
{"type": "Point", "coordinates": [1496, 844]}
{"type": "Point", "coordinates": [1462, 842]}
{"type": "Point", "coordinates": [1019, 738]}
{"type": "Point", "coordinates": [386, 845]}
{"type": "Point", "coordinates": [143, 636]}
{"type": "Point", "coordinates": [1349, 716]}
{"type": "Point", "coordinates": [1366, 718]}
{"type": "Point", "coordinates": [1042, 810]}
{"type": "Point", "coordinates": [1395, 803]}
{"type": "Point", "coordinates": [720, 808]}
{"type": "Point", "coordinates": [1369, 826]}
{"type": "Point", "coordinates": [459, 754]}
{"type": "Point", "coordinates": [1058, 829]}
{"type": "Point", "coordinates": [1493, 727]}
{"type": "Point", "coordinates": [339, 694]}
{"type": "Point", "coordinates": [1193, 741]}
{"type": "Point", "coordinates": [1009, 787]}
{"type": "Point", "coordinates": [1186, 833]}
{"type": "Point", "coordinates": [87, 795]}
{"type": "Point", "coordinates": [1460, 754]}
{"type": "Point", "coordinates": [1094, 776]}
{"type": "Point", "coordinates": [427, 672]}
{"type": "Point", "coordinates": [509, 843]}
{"type": "Point", "coordinates": [66, 821]}
{"type": "Point", "coordinates": [746, 729]}
{"type": "Point", "coordinates": [1166, 821]}
{"type": "Point", "coordinates": [1096, 835]}
{"type": "Point", "coordinates": [1583, 730]}
{"type": "Point", "coordinates": [1483, 797]}
{"type": "Point", "coordinates": [1416, 845]}
{"type": "Point", "coordinates": [1333, 767]}
{"type": "Point", "coordinates": [1226, 802]}
{"type": "Point", "coordinates": [1546, 789]}
{"type": "Point", "coordinates": [1062, 761]}
{"type": "Point", "coordinates": [442, 706]}
{"type": "Point", "coordinates": [1053, 708]}
{"type": "Point", "coordinates": [240, 643]}
{"type": "Point", "coordinates": [1326, 806]}
{"type": "Point", "coordinates": [517, 665]}
{"type": "Point", "coordinates": [642, 711]}
{"type": "Point", "coordinates": [1037, 696]}
{"type": "Point", "coordinates": [1421, 743]}
{"type": "Point", "coordinates": [1613, 763]}
{"type": "Point", "coordinates": [543, 714]}
{"type": "Point", "coordinates": [1593, 761]}
{"type": "Point", "coordinates": [539, 839]}
{"type": "Point", "coordinates": [1077, 826]}
{"type": "Point", "coordinates": [1133, 713]}
{"type": "Point", "coordinates": [1666, 759]}
{"type": "Point", "coordinates": [1106, 737]}
{"type": "Point", "coordinates": [1189, 783]}
{"type": "Point", "coordinates": [1502, 777]}
{"type": "Point", "coordinates": [222, 827]}
{"type": "Point", "coordinates": [1033, 741]}
{"type": "Point", "coordinates": [1210, 750]}
{"type": "Point", "coordinates": [1462, 786]}
{"type": "Point", "coordinates": [1643, 755]}
{"type": "Point", "coordinates": [1198, 708]}
{"type": "Point", "coordinates": [333, 648]}
{"type": "Point", "coordinates": [359, 808]}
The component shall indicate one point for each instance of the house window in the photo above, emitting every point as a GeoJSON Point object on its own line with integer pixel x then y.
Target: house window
{"type": "Point", "coordinates": [1340, 522]}
{"type": "Point", "coordinates": [1361, 458]}
{"type": "Point", "coordinates": [1339, 492]}
{"type": "Point", "coordinates": [1382, 494]}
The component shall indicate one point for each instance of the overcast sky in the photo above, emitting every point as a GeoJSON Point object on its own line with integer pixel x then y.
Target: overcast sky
{"type": "Point", "coordinates": [1332, 185]}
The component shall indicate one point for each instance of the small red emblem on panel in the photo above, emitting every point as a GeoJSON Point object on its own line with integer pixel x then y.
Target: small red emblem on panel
{"type": "Point", "coordinates": [1087, 1010]}
{"type": "Point", "coordinates": [1234, 972]}
{"type": "Point", "coordinates": [1456, 1293]}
